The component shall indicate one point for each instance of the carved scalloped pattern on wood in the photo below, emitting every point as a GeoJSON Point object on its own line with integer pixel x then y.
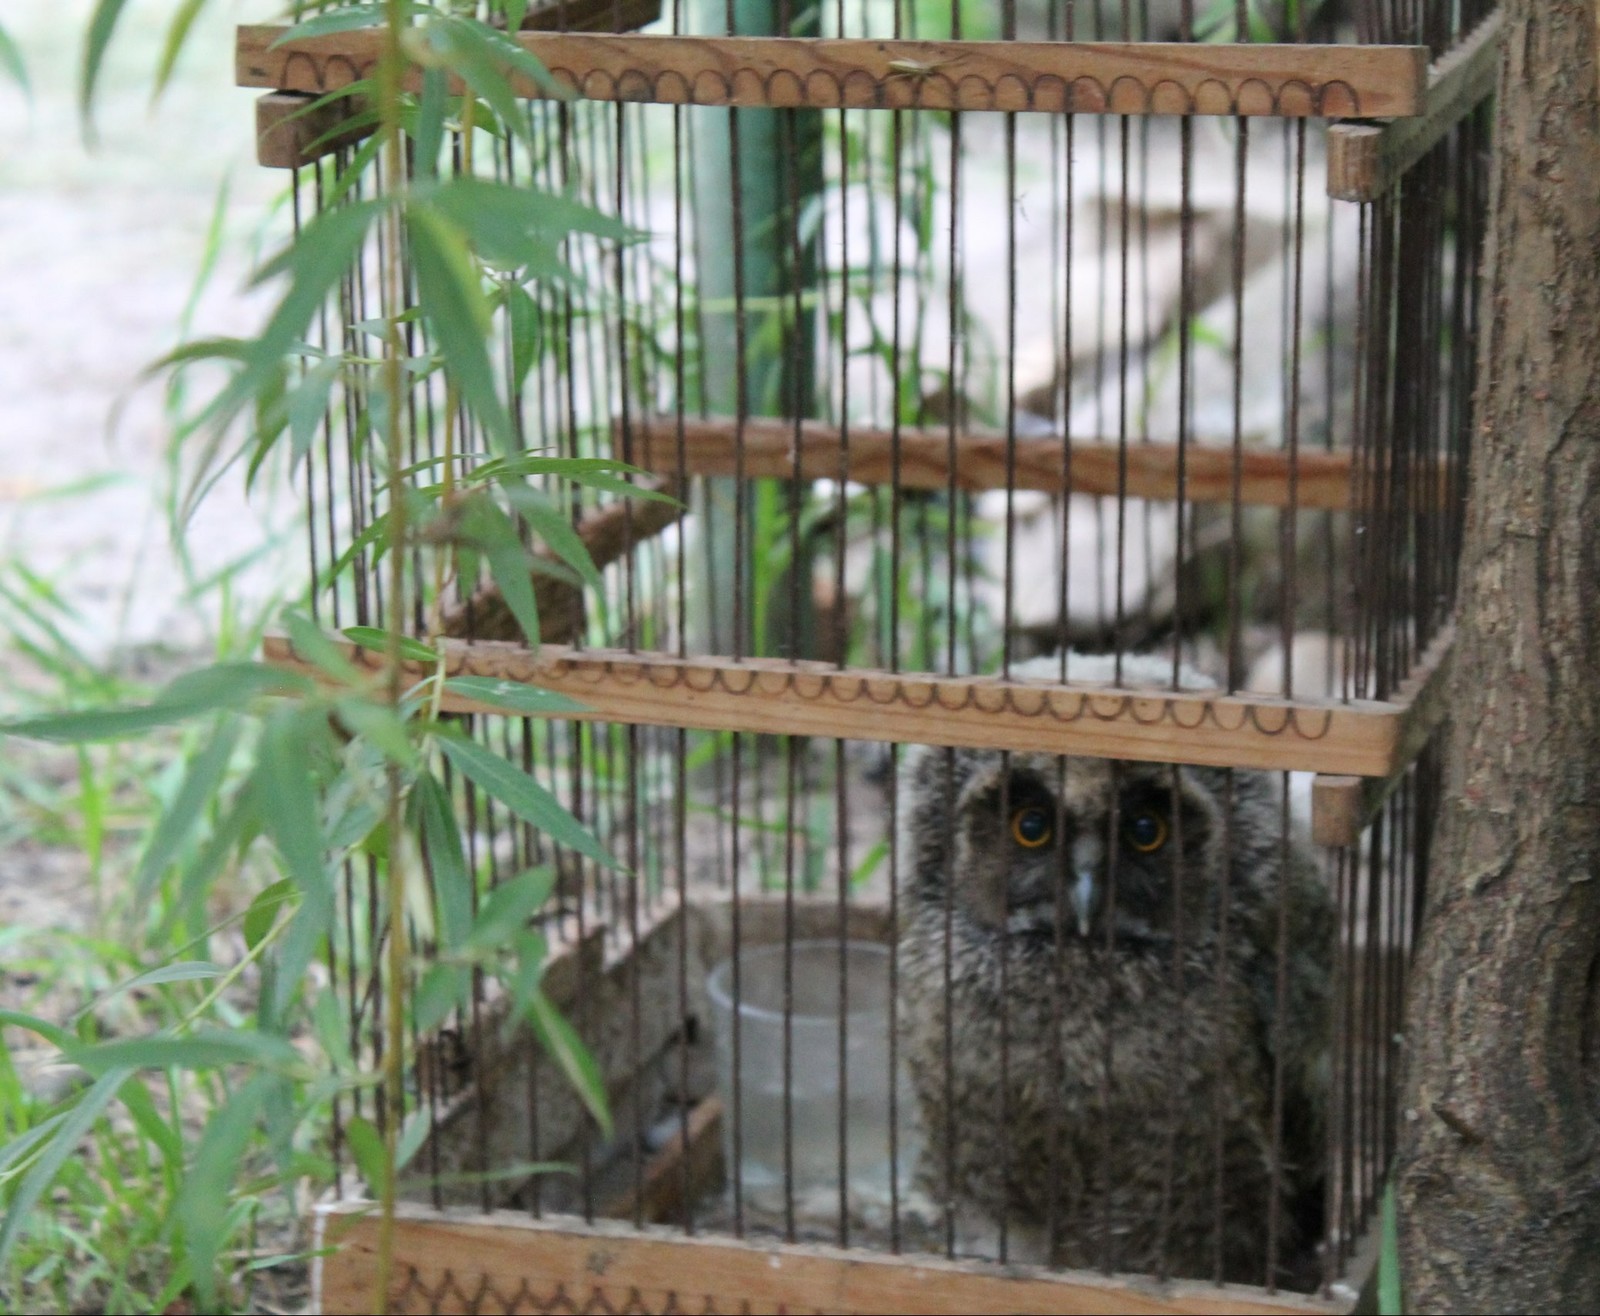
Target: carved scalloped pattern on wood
{"type": "Point", "coordinates": [774, 697]}
{"type": "Point", "coordinates": [1050, 77]}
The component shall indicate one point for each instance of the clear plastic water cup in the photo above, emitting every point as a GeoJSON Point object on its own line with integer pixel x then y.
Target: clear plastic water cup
{"type": "Point", "coordinates": [817, 1099]}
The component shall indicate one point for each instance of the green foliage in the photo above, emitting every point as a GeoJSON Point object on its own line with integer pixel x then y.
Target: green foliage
{"type": "Point", "coordinates": [210, 1058]}
{"type": "Point", "coordinates": [11, 62]}
{"type": "Point", "coordinates": [1390, 1302]}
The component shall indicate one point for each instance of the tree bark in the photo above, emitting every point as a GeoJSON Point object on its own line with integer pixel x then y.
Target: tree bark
{"type": "Point", "coordinates": [1499, 1160]}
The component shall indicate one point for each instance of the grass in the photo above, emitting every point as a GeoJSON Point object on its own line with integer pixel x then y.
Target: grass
{"type": "Point", "coordinates": [74, 822]}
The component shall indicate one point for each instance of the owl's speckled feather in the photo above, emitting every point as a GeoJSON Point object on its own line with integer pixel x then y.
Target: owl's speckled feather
{"type": "Point", "coordinates": [1111, 1019]}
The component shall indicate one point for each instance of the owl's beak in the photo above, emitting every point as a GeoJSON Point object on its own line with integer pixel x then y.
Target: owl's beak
{"type": "Point", "coordinates": [1083, 894]}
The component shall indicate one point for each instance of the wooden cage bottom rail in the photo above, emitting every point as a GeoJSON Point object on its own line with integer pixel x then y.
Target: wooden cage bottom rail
{"type": "Point", "coordinates": [1358, 738]}
{"type": "Point", "coordinates": [449, 1262]}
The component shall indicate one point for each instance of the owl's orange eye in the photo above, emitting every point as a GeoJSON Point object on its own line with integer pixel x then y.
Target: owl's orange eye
{"type": "Point", "coordinates": [1031, 827]}
{"type": "Point", "coordinates": [1147, 832]}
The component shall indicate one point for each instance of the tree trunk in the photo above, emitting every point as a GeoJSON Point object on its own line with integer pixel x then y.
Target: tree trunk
{"type": "Point", "coordinates": [1499, 1163]}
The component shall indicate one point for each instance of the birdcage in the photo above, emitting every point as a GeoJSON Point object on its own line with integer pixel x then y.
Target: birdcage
{"type": "Point", "coordinates": [1053, 454]}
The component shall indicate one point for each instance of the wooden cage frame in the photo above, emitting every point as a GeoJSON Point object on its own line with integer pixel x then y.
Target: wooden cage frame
{"type": "Point", "coordinates": [1360, 749]}
{"type": "Point", "coordinates": [457, 1259]}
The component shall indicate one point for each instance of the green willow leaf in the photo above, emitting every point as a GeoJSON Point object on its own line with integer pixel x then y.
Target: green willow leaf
{"type": "Point", "coordinates": [177, 823]}
{"type": "Point", "coordinates": [347, 18]}
{"type": "Point", "coordinates": [523, 796]}
{"type": "Point", "coordinates": [102, 23]}
{"type": "Point", "coordinates": [485, 525]}
{"type": "Point", "coordinates": [459, 45]}
{"type": "Point", "coordinates": [515, 226]}
{"type": "Point", "coordinates": [513, 696]}
{"type": "Point", "coordinates": [233, 833]}
{"type": "Point", "coordinates": [177, 33]}
{"type": "Point", "coordinates": [413, 1133]}
{"type": "Point", "coordinates": [264, 910]}
{"type": "Point", "coordinates": [11, 62]}
{"type": "Point", "coordinates": [366, 1148]}
{"type": "Point", "coordinates": [21, 1147]}
{"type": "Point", "coordinates": [202, 1207]}
{"type": "Point", "coordinates": [307, 405]}
{"type": "Point", "coordinates": [181, 971]}
{"type": "Point", "coordinates": [507, 909]}
{"type": "Point", "coordinates": [210, 1048]}
{"type": "Point", "coordinates": [332, 1027]}
{"type": "Point", "coordinates": [450, 292]}
{"type": "Point", "coordinates": [166, 1135]}
{"type": "Point", "coordinates": [370, 637]}
{"type": "Point", "coordinates": [444, 987]}
{"type": "Point", "coordinates": [498, 45]}
{"type": "Point", "coordinates": [315, 647]}
{"type": "Point", "coordinates": [53, 1033]}
{"type": "Point", "coordinates": [291, 816]}
{"type": "Point", "coordinates": [315, 262]}
{"type": "Point", "coordinates": [210, 689]}
{"type": "Point", "coordinates": [429, 130]}
{"type": "Point", "coordinates": [561, 1041]}
{"type": "Point", "coordinates": [377, 724]}
{"type": "Point", "coordinates": [555, 529]}
{"type": "Point", "coordinates": [435, 819]}
{"type": "Point", "coordinates": [526, 326]}
{"type": "Point", "coordinates": [64, 1142]}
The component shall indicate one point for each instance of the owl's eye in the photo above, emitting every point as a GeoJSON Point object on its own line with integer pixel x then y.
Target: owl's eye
{"type": "Point", "coordinates": [1031, 827]}
{"type": "Point", "coordinates": [1147, 832]}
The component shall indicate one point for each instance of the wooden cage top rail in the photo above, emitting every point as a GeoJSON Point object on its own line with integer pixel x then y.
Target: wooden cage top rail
{"type": "Point", "coordinates": [458, 1262]}
{"type": "Point", "coordinates": [1061, 77]}
{"type": "Point", "coordinates": [1315, 478]}
{"type": "Point", "coordinates": [1361, 738]}
{"type": "Point", "coordinates": [1365, 160]}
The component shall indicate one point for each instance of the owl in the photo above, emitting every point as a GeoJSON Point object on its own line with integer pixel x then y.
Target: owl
{"type": "Point", "coordinates": [1096, 1020]}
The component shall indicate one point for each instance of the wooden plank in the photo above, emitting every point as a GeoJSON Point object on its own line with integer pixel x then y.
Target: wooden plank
{"type": "Point", "coordinates": [289, 134]}
{"type": "Point", "coordinates": [460, 1263]}
{"type": "Point", "coordinates": [1343, 806]}
{"type": "Point", "coordinates": [1365, 160]}
{"type": "Point", "coordinates": [1051, 77]}
{"type": "Point", "coordinates": [683, 1171]}
{"type": "Point", "coordinates": [591, 15]}
{"type": "Point", "coordinates": [867, 456]}
{"type": "Point", "coordinates": [776, 697]}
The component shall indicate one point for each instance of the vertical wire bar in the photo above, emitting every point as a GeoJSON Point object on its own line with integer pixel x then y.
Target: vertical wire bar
{"type": "Point", "coordinates": [1108, 1252]}
{"type": "Point", "coordinates": [1008, 628]}
{"type": "Point", "coordinates": [1119, 614]}
{"type": "Point", "coordinates": [1355, 636]}
{"type": "Point", "coordinates": [1372, 1010]}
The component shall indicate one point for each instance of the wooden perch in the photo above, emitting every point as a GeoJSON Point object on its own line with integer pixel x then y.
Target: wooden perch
{"type": "Point", "coordinates": [1320, 479]}
{"type": "Point", "coordinates": [609, 535]}
{"type": "Point", "coordinates": [693, 1163]}
{"type": "Point", "coordinates": [590, 15]}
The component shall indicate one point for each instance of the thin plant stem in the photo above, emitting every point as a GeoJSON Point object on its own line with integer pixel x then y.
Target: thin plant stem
{"type": "Point", "coordinates": [389, 72]}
